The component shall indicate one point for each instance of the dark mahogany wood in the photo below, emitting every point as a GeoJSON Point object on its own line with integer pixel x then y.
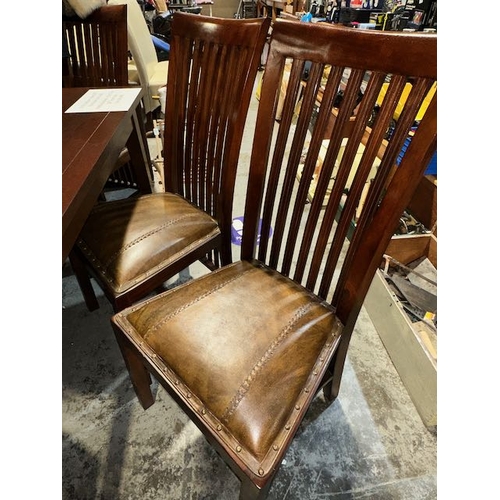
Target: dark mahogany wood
{"type": "Point", "coordinates": [91, 145]}
{"type": "Point", "coordinates": [98, 49]}
{"type": "Point", "coordinates": [212, 71]}
{"type": "Point", "coordinates": [245, 349]}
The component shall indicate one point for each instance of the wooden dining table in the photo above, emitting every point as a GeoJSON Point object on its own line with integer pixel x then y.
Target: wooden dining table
{"type": "Point", "coordinates": [91, 145]}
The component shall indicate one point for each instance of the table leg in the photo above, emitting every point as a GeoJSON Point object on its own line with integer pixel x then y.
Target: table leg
{"type": "Point", "coordinates": [138, 149]}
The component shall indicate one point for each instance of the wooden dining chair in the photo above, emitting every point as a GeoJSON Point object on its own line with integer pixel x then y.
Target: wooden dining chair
{"type": "Point", "coordinates": [132, 246]}
{"type": "Point", "coordinates": [245, 349]}
{"type": "Point", "coordinates": [98, 50]}
{"type": "Point", "coordinates": [98, 57]}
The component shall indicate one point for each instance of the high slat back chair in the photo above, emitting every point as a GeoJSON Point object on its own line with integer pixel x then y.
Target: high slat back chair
{"type": "Point", "coordinates": [131, 247]}
{"type": "Point", "coordinates": [98, 57]}
{"type": "Point", "coordinates": [98, 49]}
{"type": "Point", "coordinates": [244, 350]}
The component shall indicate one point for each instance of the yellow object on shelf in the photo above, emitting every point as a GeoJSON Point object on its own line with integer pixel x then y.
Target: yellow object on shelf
{"type": "Point", "coordinates": [404, 97]}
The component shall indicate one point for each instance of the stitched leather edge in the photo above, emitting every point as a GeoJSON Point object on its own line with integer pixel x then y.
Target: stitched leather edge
{"type": "Point", "coordinates": [142, 237]}
{"type": "Point", "coordinates": [194, 301]}
{"type": "Point", "coordinates": [266, 357]}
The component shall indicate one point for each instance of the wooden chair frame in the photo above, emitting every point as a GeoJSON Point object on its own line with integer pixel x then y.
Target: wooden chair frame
{"type": "Point", "coordinates": [213, 67]}
{"type": "Point", "coordinates": [98, 49]}
{"type": "Point", "coordinates": [299, 288]}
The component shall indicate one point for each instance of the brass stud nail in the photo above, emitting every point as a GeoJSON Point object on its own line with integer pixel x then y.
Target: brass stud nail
{"type": "Point", "coordinates": [203, 411]}
{"type": "Point", "coordinates": [315, 373]}
{"type": "Point", "coordinates": [153, 355]}
{"type": "Point", "coordinates": [321, 359]}
{"type": "Point", "coordinates": [164, 368]}
{"type": "Point", "coordinates": [188, 395]}
{"type": "Point", "coordinates": [275, 447]}
{"type": "Point", "coordinates": [219, 427]}
{"type": "Point", "coordinates": [287, 427]}
{"type": "Point", "coordinates": [297, 407]}
{"type": "Point", "coordinates": [238, 449]}
{"type": "Point", "coordinates": [306, 391]}
{"type": "Point", "coordinates": [261, 472]}
{"type": "Point", "coordinates": [176, 382]}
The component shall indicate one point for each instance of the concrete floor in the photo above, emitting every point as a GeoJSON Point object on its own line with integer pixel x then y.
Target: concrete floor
{"type": "Point", "coordinates": [370, 443]}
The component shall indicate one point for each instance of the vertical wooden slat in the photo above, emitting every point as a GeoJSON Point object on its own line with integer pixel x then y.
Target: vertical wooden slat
{"type": "Point", "coordinates": [207, 101]}
{"type": "Point", "coordinates": [98, 48]}
{"type": "Point", "coordinates": [316, 224]}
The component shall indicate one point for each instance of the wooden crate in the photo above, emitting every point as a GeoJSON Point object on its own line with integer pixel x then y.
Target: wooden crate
{"type": "Point", "coordinates": [410, 349]}
{"type": "Point", "coordinates": [408, 248]}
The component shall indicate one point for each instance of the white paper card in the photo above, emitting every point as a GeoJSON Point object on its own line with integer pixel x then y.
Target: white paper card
{"type": "Point", "coordinates": [104, 100]}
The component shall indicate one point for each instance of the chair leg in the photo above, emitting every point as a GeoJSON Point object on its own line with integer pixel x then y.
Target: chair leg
{"type": "Point", "coordinates": [249, 491]}
{"type": "Point", "coordinates": [331, 391]}
{"type": "Point", "coordinates": [121, 303]}
{"type": "Point", "coordinates": [139, 375]}
{"type": "Point", "coordinates": [84, 282]}
{"type": "Point", "coordinates": [332, 388]}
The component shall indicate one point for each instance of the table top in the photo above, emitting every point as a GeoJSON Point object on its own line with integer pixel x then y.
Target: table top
{"type": "Point", "coordinates": [91, 144]}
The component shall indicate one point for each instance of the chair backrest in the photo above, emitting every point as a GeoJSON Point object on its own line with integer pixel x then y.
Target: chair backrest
{"type": "Point", "coordinates": [98, 52]}
{"type": "Point", "coordinates": [212, 70]}
{"type": "Point", "coordinates": [324, 191]}
{"type": "Point", "coordinates": [140, 42]}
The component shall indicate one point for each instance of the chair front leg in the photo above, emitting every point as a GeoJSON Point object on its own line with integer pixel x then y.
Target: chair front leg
{"type": "Point", "coordinates": [332, 388]}
{"type": "Point", "coordinates": [249, 491]}
{"type": "Point", "coordinates": [139, 375]}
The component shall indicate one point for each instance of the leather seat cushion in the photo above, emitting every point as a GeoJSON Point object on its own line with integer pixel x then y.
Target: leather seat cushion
{"type": "Point", "coordinates": [244, 347]}
{"type": "Point", "coordinates": [129, 240]}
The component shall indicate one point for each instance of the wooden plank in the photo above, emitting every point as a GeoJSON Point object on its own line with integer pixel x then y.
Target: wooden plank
{"type": "Point", "coordinates": [428, 337]}
{"type": "Point", "coordinates": [416, 296]}
{"type": "Point", "coordinates": [432, 250]}
{"type": "Point", "coordinates": [427, 270]}
{"type": "Point", "coordinates": [333, 118]}
{"type": "Point", "coordinates": [423, 205]}
{"type": "Point", "coordinates": [331, 123]}
{"type": "Point", "coordinates": [407, 248]}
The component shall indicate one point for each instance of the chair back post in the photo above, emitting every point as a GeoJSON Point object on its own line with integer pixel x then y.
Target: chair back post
{"type": "Point", "coordinates": [211, 75]}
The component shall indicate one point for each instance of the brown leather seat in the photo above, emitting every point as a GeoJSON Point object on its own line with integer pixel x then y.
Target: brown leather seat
{"type": "Point", "coordinates": [131, 247]}
{"type": "Point", "coordinates": [250, 386]}
{"type": "Point", "coordinates": [143, 236]}
{"type": "Point", "coordinates": [245, 349]}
